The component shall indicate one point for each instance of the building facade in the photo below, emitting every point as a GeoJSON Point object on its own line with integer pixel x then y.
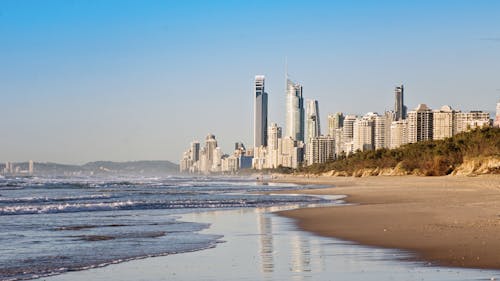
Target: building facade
{"type": "Point", "coordinates": [294, 111]}
{"type": "Point", "coordinates": [399, 133]}
{"type": "Point", "coordinates": [399, 105]}
{"type": "Point", "coordinates": [364, 132]}
{"type": "Point", "coordinates": [470, 120]}
{"type": "Point", "coordinates": [312, 119]}
{"type": "Point", "coordinates": [496, 123]}
{"type": "Point", "coordinates": [382, 129]}
{"type": "Point", "coordinates": [320, 149]}
{"type": "Point", "coordinates": [444, 123]}
{"type": "Point", "coordinates": [260, 112]}
{"type": "Point", "coordinates": [274, 146]}
{"type": "Point", "coordinates": [335, 121]}
{"type": "Point", "coordinates": [420, 122]}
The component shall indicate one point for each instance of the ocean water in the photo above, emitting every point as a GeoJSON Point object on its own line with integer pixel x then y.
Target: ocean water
{"type": "Point", "coordinates": [54, 225]}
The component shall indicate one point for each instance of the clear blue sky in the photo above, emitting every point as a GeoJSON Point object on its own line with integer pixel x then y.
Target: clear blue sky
{"type": "Point", "coordinates": [128, 80]}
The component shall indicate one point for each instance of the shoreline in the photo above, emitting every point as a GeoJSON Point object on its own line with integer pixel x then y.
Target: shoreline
{"type": "Point", "coordinates": [258, 244]}
{"type": "Point", "coordinates": [447, 221]}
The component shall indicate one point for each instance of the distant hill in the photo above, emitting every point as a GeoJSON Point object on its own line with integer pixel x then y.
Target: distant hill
{"type": "Point", "coordinates": [133, 167]}
{"type": "Point", "coordinates": [143, 168]}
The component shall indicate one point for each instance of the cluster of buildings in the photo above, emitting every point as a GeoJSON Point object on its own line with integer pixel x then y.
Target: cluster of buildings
{"type": "Point", "coordinates": [210, 159]}
{"type": "Point", "coordinates": [19, 169]}
{"type": "Point", "coordinates": [302, 141]}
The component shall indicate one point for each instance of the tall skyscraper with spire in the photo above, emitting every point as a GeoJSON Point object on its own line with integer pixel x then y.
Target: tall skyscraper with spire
{"type": "Point", "coordinates": [399, 105]}
{"type": "Point", "coordinates": [260, 112]}
{"type": "Point", "coordinates": [312, 119]}
{"type": "Point", "coordinates": [294, 111]}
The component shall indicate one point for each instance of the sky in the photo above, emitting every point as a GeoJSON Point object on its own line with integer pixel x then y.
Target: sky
{"type": "Point", "coordinates": [125, 80]}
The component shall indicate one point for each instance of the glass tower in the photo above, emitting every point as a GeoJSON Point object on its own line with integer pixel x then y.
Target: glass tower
{"type": "Point", "coordinates": [260, 112]}
{"type": "Point", "coordinates": [294, 111]}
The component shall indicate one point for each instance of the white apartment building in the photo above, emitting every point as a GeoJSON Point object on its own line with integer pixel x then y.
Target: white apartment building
{"type": "Point", "coordinates": [420, 123]}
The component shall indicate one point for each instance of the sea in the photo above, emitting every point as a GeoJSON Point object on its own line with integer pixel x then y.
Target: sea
{"type": "Point", "coordinates": [52, 225]}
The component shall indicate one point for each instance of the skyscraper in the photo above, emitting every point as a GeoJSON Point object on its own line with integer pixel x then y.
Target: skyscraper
{"type": "Point", "coordinates": [274, 146]}
{"type": "Point", "coordinates": [260, 112]}
{"type": "Point", "coordinates": [195, 151]}
{"type": "Point", "coordinates": [399, 106]}
{"type": "Point", "coordinates": [382, 134]}
{"type": "Point", "coordinates": [497, 116]}
{"type": "Point", "coordinates": [31, 167]}
{"type": "Point", "coordinates": [364, 132]}
{"type": "Point", "coordinates": [444, 123]}
{"type": "Point", "coordinates": [312, 119]}
{"type": "Point", "coordinates": [348, 127]}
{"type": "Point", "coordinates": [335, 121]}
{"type": "Point", "coordinates": [420, 124]}
{"type": "Point", "coordinates": [294, 111]}
{"type": "Point", "coordinates": [399, 133]}
{"type": "Point", "coordinates": [210, 146]}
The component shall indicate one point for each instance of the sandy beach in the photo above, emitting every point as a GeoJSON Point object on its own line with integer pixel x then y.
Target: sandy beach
{"type": "Point", "coordinates": [449, 221]}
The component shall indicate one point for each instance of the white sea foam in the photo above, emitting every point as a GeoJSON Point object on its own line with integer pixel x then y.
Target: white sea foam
{"type": "Point", "coordinates": [48, 199]}
{"type": "Point", "coordinates": [67, 208]}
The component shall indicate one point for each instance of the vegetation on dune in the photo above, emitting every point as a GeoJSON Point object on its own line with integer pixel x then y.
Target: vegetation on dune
{"type": "Point", "coordinates": [430, 158]}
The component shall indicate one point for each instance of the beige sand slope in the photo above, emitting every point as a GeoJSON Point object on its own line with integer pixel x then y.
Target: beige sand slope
{"type": "Point", "coordinates": [453, 221]}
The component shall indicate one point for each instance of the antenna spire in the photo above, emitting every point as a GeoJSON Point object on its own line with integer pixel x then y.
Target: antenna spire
{"type": "Point", "coordinates": [286, 68]}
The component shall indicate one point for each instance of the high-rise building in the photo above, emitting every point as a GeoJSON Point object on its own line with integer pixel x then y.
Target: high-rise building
{"type": "Point", "coordinates": [320, 149]}
{"type": "Point", "coordinates": [335, 121]}
{"type": "Point", "coordinates": [204, 166]}
{"type": "Point", "coordinates": [399, 133]}
{"type": "Point", "coordinates": [473, 119]}
{"type": "Point", "coordinates": [195, 151]}
{"type": "Point", "coordinates": [259, 160]}
{"type": "Point", "coordinates": [292, 152]}
{"type": "Point", "coordinates": [184, 163]}
{"type": "Point", "coordinates": [348, 128]}
{"type": "Point", "coordinates": [260, 112]}
{"type": "Point", "coordinates": [230, 164]}
{"type": "Point", "coordinates": [274, 146]}
{"type": "Point", "coordinates": [339, 147]}
{"type": "Point", "coordinates": [8, 168]}
{"type": "Point", "coordinates": [294, 111]}
{"type": "Point", "coordinates": [274, 134]}
{"type": "Point", "coordinates": [364, 132]}
{"type": "Point", "coordinates": [382, 130]}
{"type": "Point", "coordinates": [217, 160]}
{"type": "Point", "coordinates": [312, 119]}
{"type": "Point", "coordinates": [399, 106]}
{"type": "Point", "coordinates": [210, 146]}
{"type": "Point", "coordinates": [31, 167]}
{"type": "Point", "coordinates": [191, 159]}
{"type": "Point", "coordinates": [444, 123]}
{"type": "Point", "coordinates": [420, 122]}
{"type": "Point", "coordinates": [497, 116]}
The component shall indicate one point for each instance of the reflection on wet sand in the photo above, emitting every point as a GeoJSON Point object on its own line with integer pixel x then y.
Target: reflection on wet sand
{"type": "Point", "coordinates": [266, 250]}
{"type": "Point", "coordinates": [305, 253]}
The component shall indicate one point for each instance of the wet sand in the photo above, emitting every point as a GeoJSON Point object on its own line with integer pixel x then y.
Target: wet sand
{"type": "Point", "coordinates": [259, 245]}
{"type": "Point", "coordinates": [450, 221]}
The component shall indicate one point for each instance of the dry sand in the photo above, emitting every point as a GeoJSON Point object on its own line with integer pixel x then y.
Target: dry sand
{"type": "Point", "coordinates": [451, 221]}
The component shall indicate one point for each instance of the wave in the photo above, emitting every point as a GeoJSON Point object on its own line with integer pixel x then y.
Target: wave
{"type": "Point", "coordinates": [35, 272]}
{"type": "Point", "coordinates": [63, 208]}
{"type": "Point", "coordinates": [54, 199]}
{"type": "Point", "coordinates": [143, 205]}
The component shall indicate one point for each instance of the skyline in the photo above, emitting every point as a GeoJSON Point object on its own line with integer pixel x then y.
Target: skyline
{"type": "Point", "coordinates": [89, 81]}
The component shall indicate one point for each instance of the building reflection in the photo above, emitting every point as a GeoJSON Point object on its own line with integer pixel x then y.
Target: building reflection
{"type": "Point", "coordinates": [266, 249]}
